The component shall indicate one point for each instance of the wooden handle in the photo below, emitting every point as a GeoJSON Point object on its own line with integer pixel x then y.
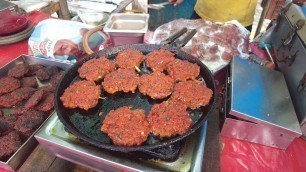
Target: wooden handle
{"type": "Point", "coordinates": [86, 38]}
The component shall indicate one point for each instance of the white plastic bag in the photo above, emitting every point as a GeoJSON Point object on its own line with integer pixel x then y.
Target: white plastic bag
{"type": "Point", "coordinates": [61, 39]}
{"type": "Point", "coordinates": [214, 43]}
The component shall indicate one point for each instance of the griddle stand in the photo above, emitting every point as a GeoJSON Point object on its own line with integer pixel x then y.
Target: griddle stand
{"type": "Point", "coordinates": [257, 106]}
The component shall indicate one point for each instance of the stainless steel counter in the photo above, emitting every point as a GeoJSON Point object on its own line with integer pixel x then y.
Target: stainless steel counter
{"type": "Point", "coordinates": [55, 140]}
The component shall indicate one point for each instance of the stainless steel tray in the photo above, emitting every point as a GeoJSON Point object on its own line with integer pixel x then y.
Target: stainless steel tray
{"type": "Point", "coordinates": [56, 141]}
{"type": "Point", "coordinates": [127, 23]}
{"type": "Point", "coordinates": [22, 153]}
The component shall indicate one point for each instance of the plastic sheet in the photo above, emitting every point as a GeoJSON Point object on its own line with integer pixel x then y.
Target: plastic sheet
{"type": "Point", "coordinates": [238, 155]}
{"type": "Point", "coordinates": [214, 44]}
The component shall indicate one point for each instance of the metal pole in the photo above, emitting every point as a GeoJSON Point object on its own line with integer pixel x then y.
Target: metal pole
{"type": "Point", "coordinates": [262, 17]}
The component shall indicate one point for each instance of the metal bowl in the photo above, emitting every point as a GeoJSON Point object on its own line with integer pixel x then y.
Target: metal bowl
{"type": "Point", "coordinates": [92, 17]}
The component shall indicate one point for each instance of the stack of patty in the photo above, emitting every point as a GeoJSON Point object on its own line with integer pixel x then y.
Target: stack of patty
{"type": "Point", "coordinates": [29, 105]}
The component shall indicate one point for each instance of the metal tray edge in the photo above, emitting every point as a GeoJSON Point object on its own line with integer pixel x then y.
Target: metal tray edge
{"type": "Point", "coordinates": [44, 137]}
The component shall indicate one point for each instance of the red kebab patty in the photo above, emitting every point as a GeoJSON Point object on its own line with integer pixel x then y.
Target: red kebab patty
{"type": "Point", "coordinates": [29, 82]}
{"type": "Point", "coordinates": [126, 127]}
{"type": "Point", "coordinates": [27, 123]}
{"type": "Point", "coordinates": [121, 80]}
{"type": "Point", "coordinates": [96, 69]}
{"type": "Point", "coordinates": [8, 84]}
{"type": "Point", "coordinates": [11, 99]}
{"type": "Point", "coordinates": [192, 93]}
{"type": "Point", "coordinates": [182, 70]}
{"type": "Point", "coordinates": [9, 144]}
{"type": "Point", "coordinates": [128, 59]}
{"type": "Point", "coordinates": [158, 60]}
{"type": "Point", "coordinates": [18, 71]}
{"type": "Point", "coordinates": [83, 94]}
{"type": "Point", "coordinates": [156, 85]}
{"type": "Point", "coordinates": [46, 104]}
{"type": "Point", "coordinates": [169, 119]}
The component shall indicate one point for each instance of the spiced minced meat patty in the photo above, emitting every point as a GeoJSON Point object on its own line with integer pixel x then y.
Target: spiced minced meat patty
{"type": "Point", "coordinates": [9, 144]}
{"type": "Point", "coordinates": [182, 70]}
{"type": "Point", "coordinates": [121, 80]}
{"type": "Point", "coordinates": [7, 123]}
{"type": "Point", "coordinates": [34, 99]}
{"type": "Point", "coordinates": [23, 93]}
{"type": "Point", "coordinates": [18, 71]}
{"type": "Point", "coordinates": [55, 79]}
{"type": "Point", "coordinates": [29, 82]}
{"type": "Point", "coordinates": [96, 69]}
{"type": "Point", "coordinates": [42, 74]}
{"type": "Point", "coordinates": [128, 59]}
{"type": "Point", "coordinates": [126, 127]}
{"type": "Point", "coordinates": [83, 94]}
{"type": "Point", "coordinates": [19, 108]}
{"type": "Point", "coordinates": [156, 85]}
{"type": "Point", "coordinates": [159, 59]}
{"type": "Point", "coordinates": [169, 118]}
{"type": "Point", "coordinates": [48, 88]}
{"type": "Point", "coordinates": [46, 104]}
{"type": "Point", "coordinates": [27, 123]}
{"type": "Point", "coordinates": [8, 84]}
{"type": "Point", "coordinates": [192, 93]}
{"type": "Point", "coordinates": [33, 68]}
{"type": "Point", "coordinates": [7, 100]}
{"type": "Point", "coordinates": [11, 99]}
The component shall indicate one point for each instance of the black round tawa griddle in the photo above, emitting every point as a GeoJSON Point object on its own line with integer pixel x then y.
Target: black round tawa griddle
{"type": "Point", "coordinates": [86, 125]}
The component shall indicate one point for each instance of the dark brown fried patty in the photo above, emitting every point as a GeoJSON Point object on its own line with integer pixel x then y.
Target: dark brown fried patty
{"type": "Point", "coordinates": [169, 119]}
{"type": "Point", "coordinates": [9, 144]}
{"type": "Point", "coordinates": [33, 68]}
{"type": "Point", "coordinates": [126, 127]}
{"type": "Point", "coordinates": [182, 70]}
{"type": "Point", "coordinates": [23, 93]}
{"type": "Point", "coordinates": [7, 100]}
{"type": "Point", "coordinates": [159, 59]}
{"type": "Point", "coordinates": [7, 123]}
{"type": "Point", "coordinates": [11, 99]}
{"type": "Point", "coordinates": [42, 74]}
{"type": "Point", "coordinates": [46, 104]}
{"type": "Point", "coordinates": [192, 93]}
{"type": "Point", "coordinates": [19, 108]}
{"type": "Point", "coordinates": [18, 71]}
{"type": "Point", "coordinates": [128, 59]}
{"type": "Point", "coordinates": [34, 99]}
{"type": "Point", "coordinates": [29, 82]}
{"type": "Point", "coordinates": [96, 69]}
{"type": "Point", "coordinates": [55, 79]}
{"type": "Point", "coordinates": [83, 94]}
{"type": "Point", "coordinates": [27, 123]}
{"type": "Point", "coordinates": [48, 89]}
{"type": "Point", "coordinates": [121, 80]}
{"type": "Point", "coordinates": [52, 70]}
{"type": "Point", "coordinates": [156, 85]}
{"type": "Point", "coordinates": [8, 84]}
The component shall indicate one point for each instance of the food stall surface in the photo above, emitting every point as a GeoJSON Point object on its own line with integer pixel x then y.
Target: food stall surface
{"type": "Point", "coordinates": [57, 141]}
{"type": "Point", "coordinates": [236, 155]}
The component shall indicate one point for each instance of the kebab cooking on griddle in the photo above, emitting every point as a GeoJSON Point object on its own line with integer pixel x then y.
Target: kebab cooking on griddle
{"type": "Point", "coordinates": [170, 80]}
